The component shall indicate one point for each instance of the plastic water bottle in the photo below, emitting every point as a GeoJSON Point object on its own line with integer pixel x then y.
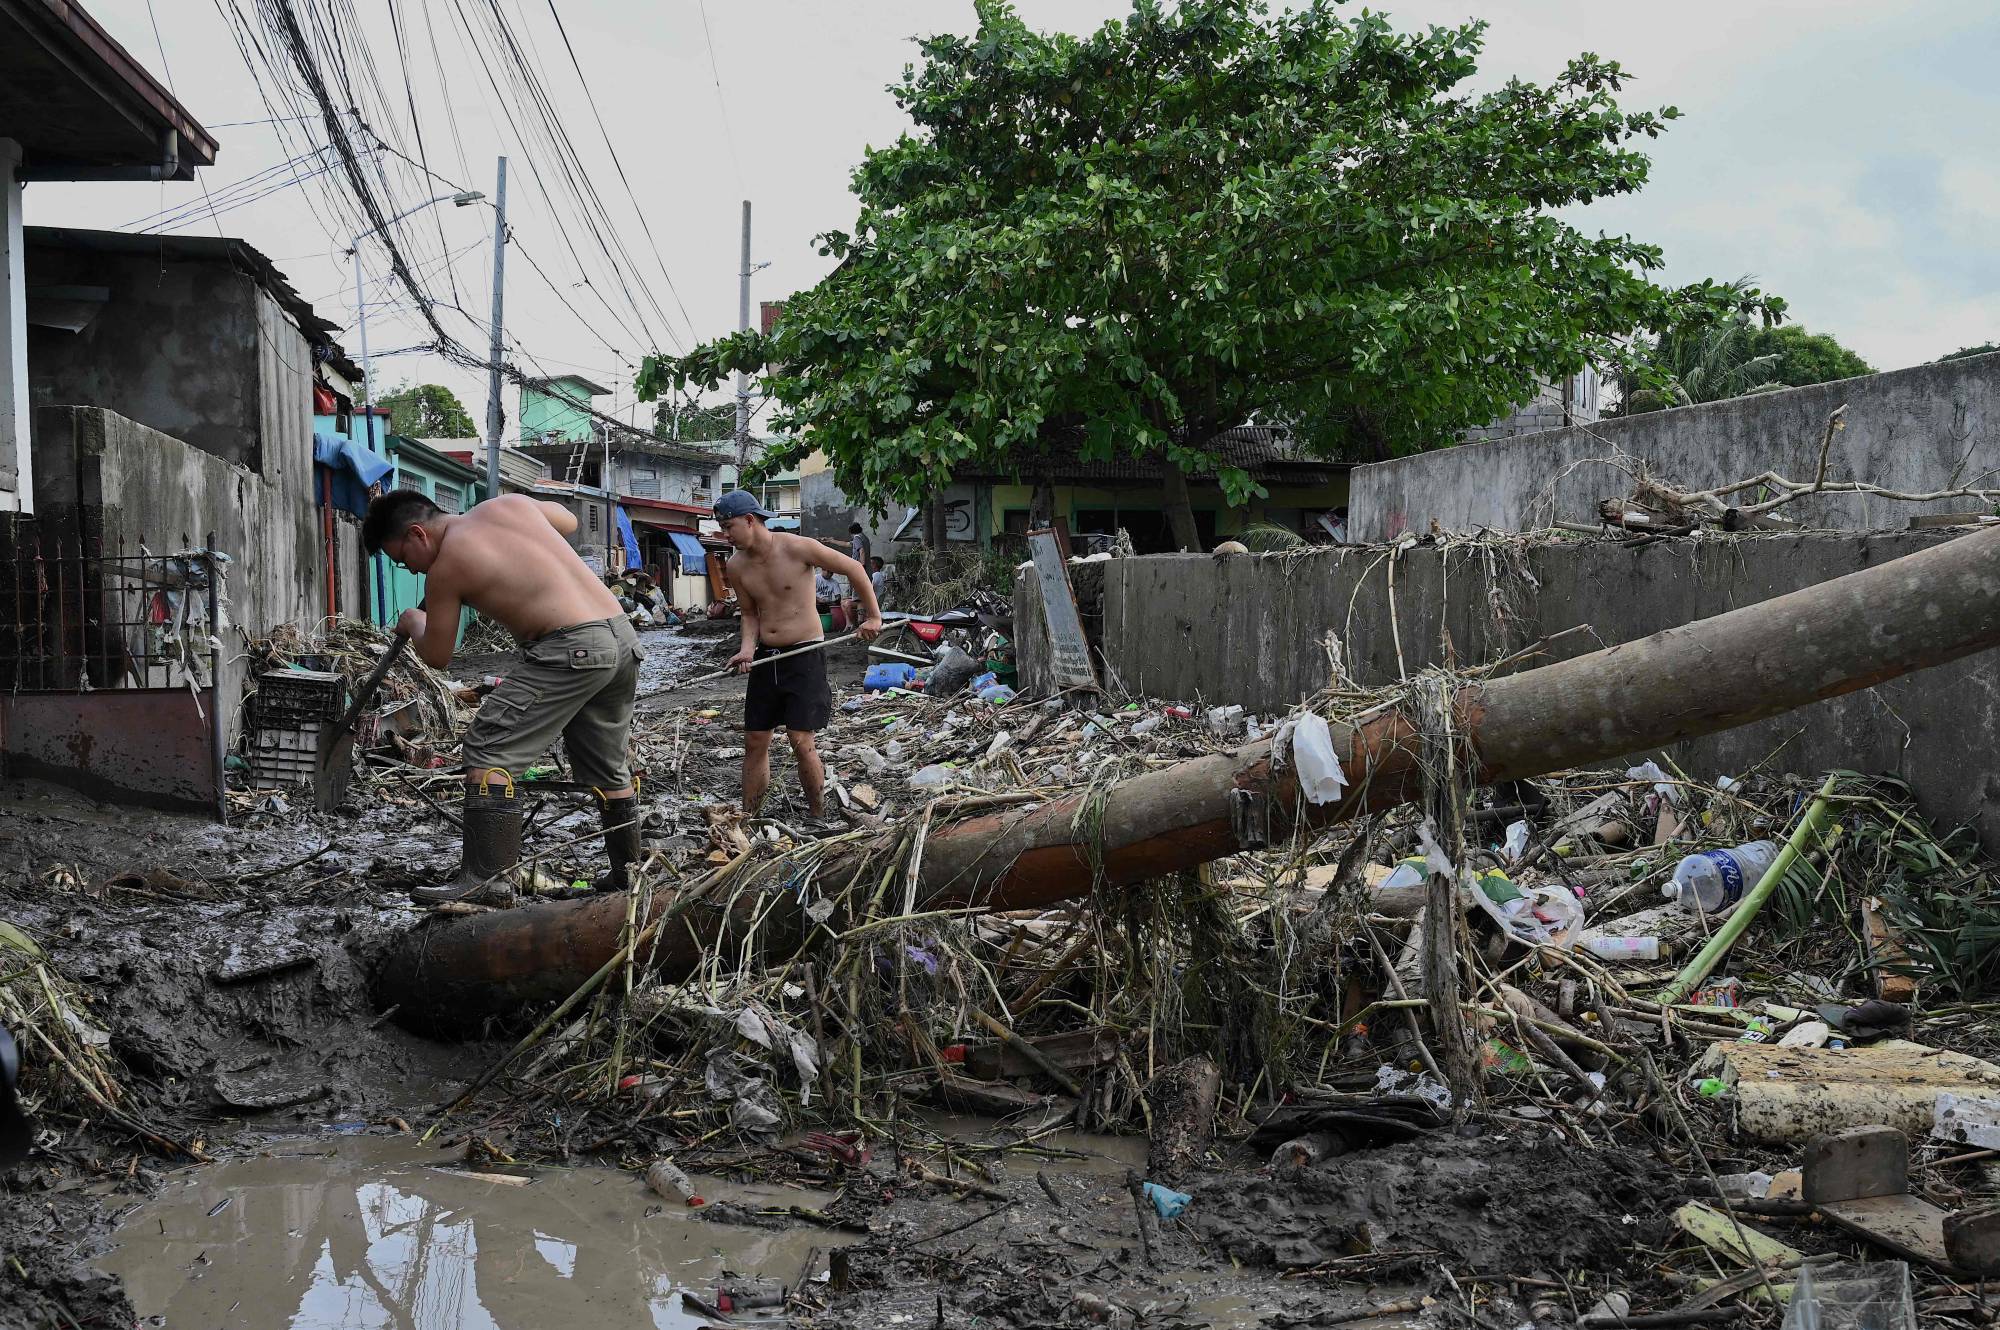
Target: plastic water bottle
{"type": "Point", "coordinates": [1716, 879]}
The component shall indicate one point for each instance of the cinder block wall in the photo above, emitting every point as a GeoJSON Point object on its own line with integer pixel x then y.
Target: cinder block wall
{"type": "Point", "coordinates": [1916, 430]}
{"type": "Point", "coordinates": [1252, 630]}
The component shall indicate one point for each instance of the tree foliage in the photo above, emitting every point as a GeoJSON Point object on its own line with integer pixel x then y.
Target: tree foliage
{"type": "Point", "coordinates": [1803, 358]}
{"type": "Point", "coordinates": [427, 411]}
{"type": "Point", "coordinates": [1735, 356]}
{"type": "Point", "coordinates": [1965, 352]}
{"type": "Point", "coordinates": [1200, 216]}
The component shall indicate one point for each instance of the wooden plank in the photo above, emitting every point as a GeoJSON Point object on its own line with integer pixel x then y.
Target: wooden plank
{"type": "Point", "coordinates": [1906, 1225]}
{"type": "Point", "coordinates": [1069, 650]}
{"type": "Point", "coordinates": [1855, 1164]}
{"type": "Point", "coordinates": [1886, 946]}
{"type": "Point", "coordinates": [1074, 1051]}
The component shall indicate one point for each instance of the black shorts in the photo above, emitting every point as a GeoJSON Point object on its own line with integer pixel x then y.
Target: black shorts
{"type": "Point", "coordinates": [792, 693]}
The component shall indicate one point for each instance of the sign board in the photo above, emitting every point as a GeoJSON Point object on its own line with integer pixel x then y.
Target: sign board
{"type": "Point", "coordinates": [1069, 650]}
{"type": "Point", "coordinates": [959, 523]}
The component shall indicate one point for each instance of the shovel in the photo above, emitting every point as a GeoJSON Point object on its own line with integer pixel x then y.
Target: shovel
{"type": "Point", "coordinates": [335, 765]}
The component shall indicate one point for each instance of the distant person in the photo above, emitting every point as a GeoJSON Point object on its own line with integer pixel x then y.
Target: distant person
{"type": "Point", "coordinates": [858, 547]}
{"type": "Point", "coordinates": [768, 572]}
{"type": "Point", "coordinates": [879, 579]}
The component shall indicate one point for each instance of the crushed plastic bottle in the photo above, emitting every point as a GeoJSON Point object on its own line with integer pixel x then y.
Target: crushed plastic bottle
{"type": "Point", "coordinates": [665, 1177]}
{"type": "Point", "coordinates": [873, 761]}
{"type": "Point", "coordinates": [1713, 880]}
{"type": "Point", "coordinates": [932, 777]}
{"type": "Point", "coordinates": [996, 693]}
{"type": "Point", "coordinates": [1148, 725]}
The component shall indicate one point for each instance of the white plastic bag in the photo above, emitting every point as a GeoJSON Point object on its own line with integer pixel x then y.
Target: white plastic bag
{"type": "Point", "coordinates": [1320, 778]}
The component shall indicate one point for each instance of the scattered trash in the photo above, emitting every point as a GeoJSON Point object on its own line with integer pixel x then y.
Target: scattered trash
{"type": "Point", "coordinates": [1845, 1295]}
{"type": "Point", "coordinates": [1712, 881]}
{"type": "Point", "coordinates": [1168, 1202]}
{"type": "Point", "coordinates": [670, 1181]}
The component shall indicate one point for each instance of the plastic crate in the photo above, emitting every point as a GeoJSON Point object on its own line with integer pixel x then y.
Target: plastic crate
{"type": "Point", "coordinates": [289, 756]}
{"type": "Point", "coordinates": [286, 699]}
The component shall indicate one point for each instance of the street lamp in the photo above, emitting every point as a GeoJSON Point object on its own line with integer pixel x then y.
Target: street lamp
{"type": "Point", "coordinates": [459, 199]}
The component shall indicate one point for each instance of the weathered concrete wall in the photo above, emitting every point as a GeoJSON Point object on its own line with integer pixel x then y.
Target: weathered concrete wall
{"type": "Point", "coordinates": [193, 349]}
{"type": "Point", "coordinates": [1928, 428]}
{"type": "Point", "coordinates": [158, 491]}
{"type": "Point", "coordinates": [1251, 629]}
{"type": "Point", "coordinates": [824, 510]}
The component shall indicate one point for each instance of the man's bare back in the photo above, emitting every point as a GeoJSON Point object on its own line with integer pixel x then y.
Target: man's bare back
{"type": "Point", "coordinates": [506, 559]}
{"type": "Point", "coordinates": [776, 585]}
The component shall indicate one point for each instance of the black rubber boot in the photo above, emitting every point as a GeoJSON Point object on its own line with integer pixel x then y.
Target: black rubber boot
{"type": "Point", "coordinates": [492, 846]}
{"type": "Point", "coordinates": [621, 842]}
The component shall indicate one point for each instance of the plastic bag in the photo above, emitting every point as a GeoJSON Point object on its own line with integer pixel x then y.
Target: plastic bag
{"type": "Point", "coordinates": [1847, 1295]}
{"type": "Point", "coordinates": [1320, 778]}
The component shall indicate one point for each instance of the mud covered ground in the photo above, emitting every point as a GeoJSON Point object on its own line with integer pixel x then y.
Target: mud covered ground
{"type": "Point", "coordinates": [284, 1182]}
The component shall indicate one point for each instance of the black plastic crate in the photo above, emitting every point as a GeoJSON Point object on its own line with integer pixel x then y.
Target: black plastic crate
{"type": "Point", "coordinates": [287, 699]}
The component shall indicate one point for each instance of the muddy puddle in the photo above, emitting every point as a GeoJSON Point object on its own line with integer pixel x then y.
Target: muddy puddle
{"type": "Point", "coordinates": [387, 1234]}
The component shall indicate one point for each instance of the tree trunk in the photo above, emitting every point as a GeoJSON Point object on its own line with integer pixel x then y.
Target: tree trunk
{"type": "Point", "coordinates": [1182, 1100]}
{"type": "Point", "coordinates": [1921, 610]}
{"type": "Point", "coordinates": [1179, 509]}
{"type": "Point", "coordinates": [934, 523]}
{"type": "Point", "coordinates": [1042, 508]}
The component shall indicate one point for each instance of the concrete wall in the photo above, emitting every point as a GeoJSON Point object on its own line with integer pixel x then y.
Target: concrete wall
{"type": "Point", "coordinates": [1250, 630]}
{"type": "Point", "coordinates": [1928, 428]}
{"type": "Point", "coordinates": [158, 491]}
{"type": "Point", "coordinates": [192, 348]}
{"type": "Point", "coordinates": [1573, 399]}
{"type": "Point", "coordinates": [824, 510]}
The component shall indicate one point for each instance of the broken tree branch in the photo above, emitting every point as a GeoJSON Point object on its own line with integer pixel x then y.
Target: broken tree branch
{"type": "Point", "coordinates": [1924, 609]}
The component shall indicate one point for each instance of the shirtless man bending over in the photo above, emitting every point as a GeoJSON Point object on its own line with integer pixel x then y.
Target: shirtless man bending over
{"type": "Point", "coordinates": [578, 672]}
{"type": "Point", "coordinates": [772, 572]}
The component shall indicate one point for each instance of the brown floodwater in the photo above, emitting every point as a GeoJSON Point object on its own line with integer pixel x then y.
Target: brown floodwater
{"type": "Point", "coordinates": [380, 1233]}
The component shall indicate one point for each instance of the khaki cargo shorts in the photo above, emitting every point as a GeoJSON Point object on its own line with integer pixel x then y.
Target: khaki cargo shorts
{"type": "Point", "coordinates": [577, 682]}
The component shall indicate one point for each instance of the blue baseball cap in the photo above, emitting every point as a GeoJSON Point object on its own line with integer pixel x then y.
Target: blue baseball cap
{"type": "Point", "coordinates": [739, 503]}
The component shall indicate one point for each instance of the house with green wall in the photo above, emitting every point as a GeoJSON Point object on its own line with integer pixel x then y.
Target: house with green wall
{"type": "Point", "coordinates": [450, 484]}
{"type": "Point", "coordinates": [557, 410]}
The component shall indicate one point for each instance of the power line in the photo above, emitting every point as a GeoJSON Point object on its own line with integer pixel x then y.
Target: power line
{"type": "Point", "coordinates": [722, 102]}
{"type": "Point", "coordinates": [605, 134]}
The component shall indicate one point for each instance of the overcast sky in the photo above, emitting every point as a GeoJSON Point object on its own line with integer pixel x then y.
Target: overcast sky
{"type": "Point", "coordinates": [1846, 153]}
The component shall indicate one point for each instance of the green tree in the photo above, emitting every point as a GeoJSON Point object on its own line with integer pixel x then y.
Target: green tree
{"type": "Point", "coordinates": [1133, 240]}
{"type": "Point", "coordinates": [427, 411]}
{"type": "Point", "coordinates": [1964, 352]}
{"type": "Point", "coordinates": [1803, 358]}
{"type": "Point", "coordinates": [1735, 356]}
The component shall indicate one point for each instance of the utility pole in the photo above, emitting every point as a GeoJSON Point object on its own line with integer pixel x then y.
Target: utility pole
{"type": "Point", "coordinates": [493, 411]}
{"type": "Point", "coordinates": [743, 378]}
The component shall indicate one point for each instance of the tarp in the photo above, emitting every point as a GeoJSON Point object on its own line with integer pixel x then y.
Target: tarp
{"type": "Point", "coordinates": [625, 532]}
{"type": "Point", "coordinates": [354, 469]}
{"type": "Point", "coordinates": [694, 559]}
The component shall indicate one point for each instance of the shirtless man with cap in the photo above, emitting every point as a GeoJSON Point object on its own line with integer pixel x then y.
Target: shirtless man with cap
{"type": "Point", "coordinates": [772, 573]}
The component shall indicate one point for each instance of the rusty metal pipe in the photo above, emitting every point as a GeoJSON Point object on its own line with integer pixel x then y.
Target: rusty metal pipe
{"type": "Point", "coordinates": [1855, 631]}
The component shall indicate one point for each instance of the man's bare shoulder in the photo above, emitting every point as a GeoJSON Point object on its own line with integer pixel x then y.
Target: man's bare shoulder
{"type": "Point", "coordinates": [800, 549]}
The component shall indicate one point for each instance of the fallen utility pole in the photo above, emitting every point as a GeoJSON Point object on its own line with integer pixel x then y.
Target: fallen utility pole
{"type": "Point", "coordinates": [1847, 634]}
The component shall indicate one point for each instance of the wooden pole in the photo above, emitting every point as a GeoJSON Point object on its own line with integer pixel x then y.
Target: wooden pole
{"type": "Point", "coordinates": [1819, 642]}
